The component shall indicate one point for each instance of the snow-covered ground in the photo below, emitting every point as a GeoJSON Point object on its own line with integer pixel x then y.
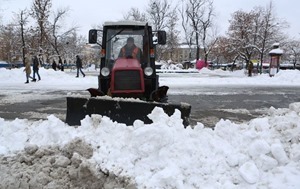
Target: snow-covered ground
{"type": "Point", "coordinates": [262, 153]}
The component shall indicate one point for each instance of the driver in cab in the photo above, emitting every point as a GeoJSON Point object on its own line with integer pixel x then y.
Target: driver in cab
{"type": "Point", "coordinates": [130, 50]}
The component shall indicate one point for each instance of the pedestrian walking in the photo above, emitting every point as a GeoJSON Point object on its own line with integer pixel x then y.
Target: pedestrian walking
{"type": "Point", "coordinates": [27, 69]}
{"type": "Point", "coordinates": [79, 66]}
{"type": "Point", "coordinates": [54, 65]}
{"type": "Point", "coordinates": [63, 65]}
{"type": "Point", "coordinates": [35, 67]}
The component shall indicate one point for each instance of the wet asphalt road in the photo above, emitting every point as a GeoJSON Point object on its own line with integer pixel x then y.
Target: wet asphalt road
{"type": "Point", "coordinates": [238, 104]}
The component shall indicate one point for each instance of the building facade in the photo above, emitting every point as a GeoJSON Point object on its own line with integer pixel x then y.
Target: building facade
{"type": "Point", "coordinates": [184, 53]}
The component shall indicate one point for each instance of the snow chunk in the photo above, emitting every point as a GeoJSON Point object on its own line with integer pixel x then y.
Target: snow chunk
{"type": "Point", "coordinates": [31, 148]}
{"type": "Point", "coordinates": [295, 107]}
{"type": "Point", "coordinates": [259, 147]}
{"type": "Point", "coordinates": [158, 116]}
{"type": "Point", "coordinates": [266, 162]}
{"type": "Point", "coordinates": [249, 172]}
{"type": "Point", "coordinates": [61, 161]}
{"type": "Point", "coordinates": [279, 153]}
{"type": "Point", "coordinates": [232, 160]}
{"type": "Point", "coordinates": [295, 152]}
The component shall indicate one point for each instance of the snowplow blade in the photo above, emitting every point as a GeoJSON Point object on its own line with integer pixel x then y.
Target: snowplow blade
{"type": "Point", "coordinates": [118, 110]}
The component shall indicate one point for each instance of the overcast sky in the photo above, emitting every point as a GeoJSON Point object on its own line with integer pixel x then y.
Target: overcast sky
{"type": "Point", "coordinates": [88, 13]}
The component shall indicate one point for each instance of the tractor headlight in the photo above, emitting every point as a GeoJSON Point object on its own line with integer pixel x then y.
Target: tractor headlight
{"type": "Point", "coordinates": [148, 71]}
{"type": "Point", "coordinates": [105, 71]}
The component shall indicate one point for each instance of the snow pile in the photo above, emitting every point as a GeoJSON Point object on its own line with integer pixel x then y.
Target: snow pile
{"type": "Point", "coordinates": [55, 167]}
{"type": "Point", "coordinates": [264, 153]}
{"type": "Point", "coordinates": [169, 65]}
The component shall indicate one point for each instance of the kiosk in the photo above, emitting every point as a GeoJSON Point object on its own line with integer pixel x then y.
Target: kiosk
{"type": "Point", "coordinates": [275, 55]}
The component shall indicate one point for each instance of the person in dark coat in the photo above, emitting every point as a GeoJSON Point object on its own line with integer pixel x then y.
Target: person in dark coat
{"type": "Point", "coordinates": [35, 67]}
{"type": "Point", "coordinates": [54, 65]}
{"type": "Point", "coordinates": [62, 65]}
{"type": "Point", "coordinates": [250, 69]}
{"type": "Point", "coordinates": [79, 66]}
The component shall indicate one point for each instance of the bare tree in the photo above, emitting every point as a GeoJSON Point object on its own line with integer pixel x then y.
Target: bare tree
{"type": "Point", "coordinates": [172, 34]}
{"type": "Point", "coordinates": [10, 41]}
{"type": "Point", "coordinates": [57, 38]}
{"type": "Point", "coordinates": [136, 15]}
{"type": "Point", "coordinates": [73, 45]}
{"type": "Point", "coordinates": [269, 30]}
{"type": "Point", "coordinates": [222, 51]}
{"type": "Point", "coordinates": [13, 38]}
{"type": "Point", "coordinates": [159, 14]}
{"type": "Point", "coordinates": [188, 31]}
{"type": "Point", "coordinates": [40, 11]}
{"type": "Point", "coordinates": [23, 20]}
{"type": "Point", "coordinates": [292, 50]}
{"type": "Point", "coordinates": [193, 9]}
{"type": "Point", "coordinates": [200, 15]}
{"type": "Point", "coordinates": [208, 37]}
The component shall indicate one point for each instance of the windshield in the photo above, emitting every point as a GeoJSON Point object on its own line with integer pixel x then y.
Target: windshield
{"type": "Point", "coordinates": [118, 38]}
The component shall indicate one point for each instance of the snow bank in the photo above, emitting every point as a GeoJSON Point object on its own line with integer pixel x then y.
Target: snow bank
{"type": "Point", "coordinates": [264, 153]}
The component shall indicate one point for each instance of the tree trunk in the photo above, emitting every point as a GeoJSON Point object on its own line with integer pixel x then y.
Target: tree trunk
{"type": "Point", "coordinates": [197, 44]}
